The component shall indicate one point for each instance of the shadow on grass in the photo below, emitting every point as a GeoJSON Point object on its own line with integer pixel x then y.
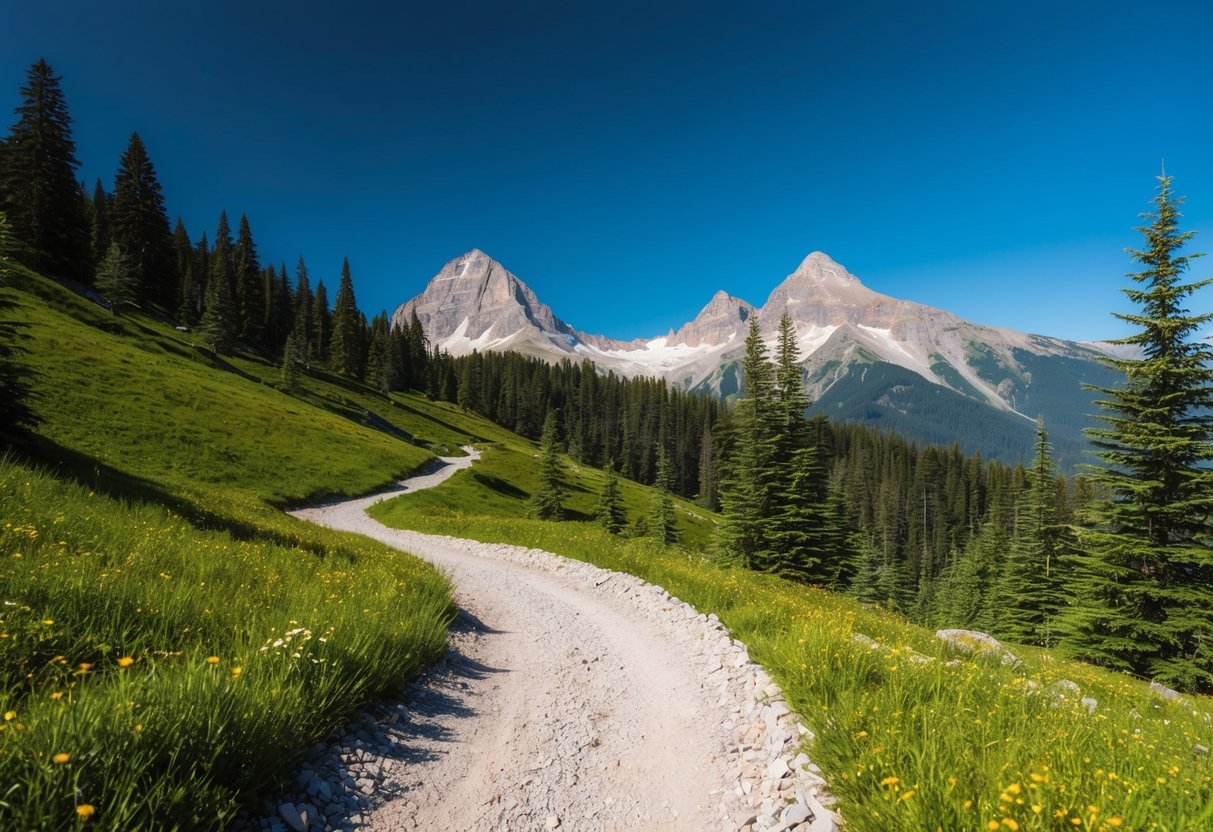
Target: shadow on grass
{"type": "Point", "coordinates": [503, 487]}
{"type": "Point", "coordinates": [117, 484]}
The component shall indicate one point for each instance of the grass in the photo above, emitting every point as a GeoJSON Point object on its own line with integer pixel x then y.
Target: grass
{"type": "Point", "coordinates": [163, 623]}
{"type": "Point", "coordinates": [500, 486]}
{"type": "Point", "coordinates": [905, 746]}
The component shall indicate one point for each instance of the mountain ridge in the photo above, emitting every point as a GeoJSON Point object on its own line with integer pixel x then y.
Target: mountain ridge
{"type": "Point", "coordinates": [475, 303]}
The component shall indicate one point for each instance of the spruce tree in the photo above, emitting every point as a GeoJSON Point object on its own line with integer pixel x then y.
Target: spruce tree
{"type": "Point", "coordinates": [347, 331]}
{"type": "Point", "coordinates": [139, 225]}
{"type": "Point", "coordinates": [250, 294]}
{"type": "Point", "coordinates": [290, 364]}
{"type": "Point", "coordinates": [322, 325]}
{"type": "Point", "coordinates": [610, 512]}
{"type": "Point", "coordinates": [301, 310]}
{"type": "Point", "coordinates": [1145, 589]}
{"type": "Point", "coordinates": [1028, 595]}
{"type": "Point", "coordinates": [100, 230]}
{"type": "Point", "coordinates": [221, 316]}
{"type": "Point", "coordinates": [38, 188]}
{"type": "Point", "coordinates": [663, 522]}
{"type": "Point", "coordinates": [117, 280]}
{"type": "Point", "coordinates": [548, 501]}
{"type": "Point", "coordinates": [745, 493]}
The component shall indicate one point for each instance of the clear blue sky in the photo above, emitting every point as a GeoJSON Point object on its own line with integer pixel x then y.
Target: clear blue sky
{"type": "Point", "coordinates": [627, 159]}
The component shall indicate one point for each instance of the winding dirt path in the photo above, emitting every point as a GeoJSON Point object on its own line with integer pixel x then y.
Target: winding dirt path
{"type": "Point", "coordinates": [558, 705]}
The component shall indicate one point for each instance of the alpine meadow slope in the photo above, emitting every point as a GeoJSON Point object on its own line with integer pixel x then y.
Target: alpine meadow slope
{"type": "Point", "coordinates": [866, 357]}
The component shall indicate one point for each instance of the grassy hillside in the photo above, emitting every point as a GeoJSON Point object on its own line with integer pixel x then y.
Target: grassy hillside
{"type": "Point", "coordinates": [169, 639]}
{"type": "Point", "coordinates": [905, 745]}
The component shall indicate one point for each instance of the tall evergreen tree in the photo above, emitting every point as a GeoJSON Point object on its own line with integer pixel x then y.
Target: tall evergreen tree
{"type": "Point", "coordinates": [548, 501]}
{"type": "Point", "coordinates": [610, 512]}
{"type": "Point", "coordinates": [139, 225]}
{"type": "Point", "coordinates": [38, 188]}
{"type": "Point", "coordinates": [709, 480]}
{"type": "Point", "coordinates": [302, 312]}
{"type": "Point", "coordinates": [1028, 595]}
{"type": "Point", "coordinates": [117, 280]}
{"type": "Point", "coordinates": [322, 324]}
{"type": "Point", "coordinates": [745, 495]}
{"type": "Point", "coordinates": [347, 331]}
{"type": "Point", "coordinates": [221, 316]}
{"type": "Point", "coordinates": [663, 522]}
{"type": "Point", "coordinates": [250, 293]}
{"type": "Point", "coordinates": [1145, 595]}
{"type": "Point", "coordinates": [100, 230]}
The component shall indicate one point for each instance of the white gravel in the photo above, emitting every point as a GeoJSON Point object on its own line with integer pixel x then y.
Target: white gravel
{"type": "Point", "coordinates": [571, 697]}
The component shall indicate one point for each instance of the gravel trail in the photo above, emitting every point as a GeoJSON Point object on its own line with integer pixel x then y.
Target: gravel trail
{"type": "Point", "coordinates": [571, 697]}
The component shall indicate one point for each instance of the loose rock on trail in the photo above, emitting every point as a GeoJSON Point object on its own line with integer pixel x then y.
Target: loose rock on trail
{"type": "Point", "coordinates": [571, 697]}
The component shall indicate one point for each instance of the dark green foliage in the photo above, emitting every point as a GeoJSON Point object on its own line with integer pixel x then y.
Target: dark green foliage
{"type": "Point", "coordinates": [745, 496]}
{"type": "Point", "coordinates": [139, 225]}
{"type": "Point", "coordinates": [14, 376]}
{"type": "Point", "coordinates": [663, 523]}
{"type": "Point", "coordinates": [290, 364]}
{"type": "Point", "coordinates": [322, 325]}
{"type": "Point", "coordinates": [548, 501]}
{"type": "Point", "coordinates": [610, 512]}
{"type": "Point", "coordinates": [250, 293]}
{"type": "Point", "coordinates": [221, 316]}
{"type": "Point", "coordinates": [301, 303]}
{"type": "Point", "coordinates": [345, 352]}
{"type": "Point", "coordinates": [1028, 595]}
{"type": "Point", "coordinates": [1145, 587]}
{"type": "Point", "coordinates": [38, 188]}
{"type": "Point", "coordinates": [117, 280]}
{"type": "Point", "coordinates": [99, 218]}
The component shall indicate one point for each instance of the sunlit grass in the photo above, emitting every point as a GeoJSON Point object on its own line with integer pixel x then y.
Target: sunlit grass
{"type": "Point", "coordinates": [905, 745]}
{"type": "Point", "coordinates": [170, 641]}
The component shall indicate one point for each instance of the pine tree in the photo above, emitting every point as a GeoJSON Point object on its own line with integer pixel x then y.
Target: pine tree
{"type": "Point", "coordinates": [548, 502]}
{"type": "Point", "coordinates": [139, 225]}
{"type": "Point", "coordinates": [220, 318]}
{"type": "Point", "coordinates": [1028, 594]}
{"type": "Point", "coordinates": [290, 364]}
{"type": "Point", "coordinates": [663, 522]}
{"type": "Point", "coordinates": [99, 236]}
{"type": "Point", "coordinates": [250, 294]}
{"type": "Point", "coordinates": [610, 512]}
{"type": "Point", "coordinates": [322, 325]}
{"type": "Point", "coordinates": [15, 390]}
{"type": "Point", "coordinates": [344, 350]}
{"type": "Point", "coordinates": [1145, 592]}
{"type": "Point", "coordinates": [38, 188]}
{"type": "Point", "coordinates": [745, 494]}
{"type": "Point", "coordinates": [709, 496]}
{"type": "Point", "coordinates": [302, 312]}
{"type": "Point", "coordinates": [117, 280]}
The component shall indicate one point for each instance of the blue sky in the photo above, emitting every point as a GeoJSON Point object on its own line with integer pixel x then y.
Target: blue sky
{"type": "Point", "coordinates": [628, 159]}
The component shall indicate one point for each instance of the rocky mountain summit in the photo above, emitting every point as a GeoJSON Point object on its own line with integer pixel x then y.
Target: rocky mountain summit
{"type": "Point", "coordinates": [866, 356]}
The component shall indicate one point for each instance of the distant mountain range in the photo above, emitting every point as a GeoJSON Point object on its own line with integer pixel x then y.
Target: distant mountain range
{"type": "Point", "coordinates": [867, 357]}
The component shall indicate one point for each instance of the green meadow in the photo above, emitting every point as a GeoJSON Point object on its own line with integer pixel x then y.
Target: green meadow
{"type": "Point", "coordinates": [904, 744]}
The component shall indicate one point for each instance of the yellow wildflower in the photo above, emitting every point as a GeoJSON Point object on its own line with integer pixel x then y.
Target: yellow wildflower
{"type": "Point", "coordinates": [212, 660]}
{"type": "Point", "coordinates": [60, 759]}
{"type": "Point", "coordinates": [85, 810]}
{"type": "Point", "coordinates": [125, 661]}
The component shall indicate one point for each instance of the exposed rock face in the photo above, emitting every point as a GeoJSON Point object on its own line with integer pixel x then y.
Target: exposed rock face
{"type": "Point", "coordinates": [724, 318]}
{"type": "Point", "coordinates": [475, 303]}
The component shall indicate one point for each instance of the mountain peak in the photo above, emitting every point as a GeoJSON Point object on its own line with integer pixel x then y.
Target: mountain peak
{"type": "Point", "coordinates": [820, 267]}
{"type": "Point", "coordinates": [721, 320]}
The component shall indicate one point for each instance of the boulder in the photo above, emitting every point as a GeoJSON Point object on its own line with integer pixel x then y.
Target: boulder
{"type": "Point", "coordinates": [978, 644]}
